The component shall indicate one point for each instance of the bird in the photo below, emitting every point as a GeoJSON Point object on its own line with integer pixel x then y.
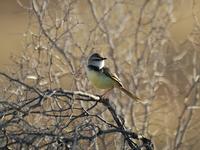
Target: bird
{"type": "Point", "coordinates": [102, 78]}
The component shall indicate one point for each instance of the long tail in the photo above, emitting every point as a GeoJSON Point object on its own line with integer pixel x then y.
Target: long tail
{"type": "Point", "coordinates": [130, 94]}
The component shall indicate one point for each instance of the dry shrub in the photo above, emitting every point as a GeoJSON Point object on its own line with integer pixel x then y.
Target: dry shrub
{"type": "Point", "coordinates": [135, 36]}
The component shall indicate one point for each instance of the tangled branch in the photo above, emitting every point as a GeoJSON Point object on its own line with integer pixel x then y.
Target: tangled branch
{"type": "Point", "coordinates": [69, 124]}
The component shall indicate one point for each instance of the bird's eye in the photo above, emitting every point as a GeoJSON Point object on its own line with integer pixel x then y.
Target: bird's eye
{"type": "Point", "coordinates": [96, 59]}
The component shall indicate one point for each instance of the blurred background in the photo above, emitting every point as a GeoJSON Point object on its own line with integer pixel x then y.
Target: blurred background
{"type": "Point", "coordinates": [15, 23]}
{"type": "Point", "coordinates": [153, 45]}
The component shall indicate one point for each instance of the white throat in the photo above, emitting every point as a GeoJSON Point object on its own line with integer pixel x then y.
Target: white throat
{"type": "Point", "coordinates": [98, 64]}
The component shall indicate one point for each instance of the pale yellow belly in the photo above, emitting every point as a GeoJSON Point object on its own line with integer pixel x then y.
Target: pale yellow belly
{"type": "Point", "coordinates": [100, 80]}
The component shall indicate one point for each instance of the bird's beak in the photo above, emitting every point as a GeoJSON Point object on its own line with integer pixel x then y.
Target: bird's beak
{"type": "Point", "coordinates": [104, 58]}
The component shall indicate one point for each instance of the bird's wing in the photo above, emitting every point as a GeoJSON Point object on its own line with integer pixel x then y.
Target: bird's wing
{"type": "Point", "coordinates": [107, 72]}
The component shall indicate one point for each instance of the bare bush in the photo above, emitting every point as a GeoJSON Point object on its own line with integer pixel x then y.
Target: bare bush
{"type": "Point", "coordinates": [37, 113]}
